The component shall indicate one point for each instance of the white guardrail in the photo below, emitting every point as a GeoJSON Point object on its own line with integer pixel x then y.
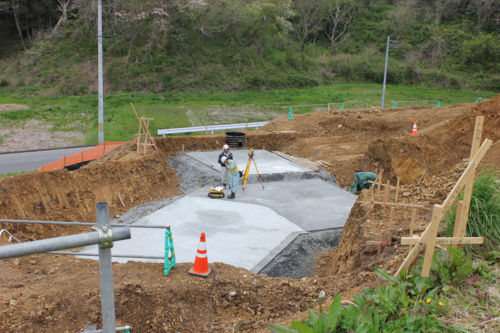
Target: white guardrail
{"type": "Point", "coordinates": [210, 128]}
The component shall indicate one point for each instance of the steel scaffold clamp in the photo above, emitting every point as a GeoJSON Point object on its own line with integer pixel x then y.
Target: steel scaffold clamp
{"type": "Point", "coordinates": [106, 237]}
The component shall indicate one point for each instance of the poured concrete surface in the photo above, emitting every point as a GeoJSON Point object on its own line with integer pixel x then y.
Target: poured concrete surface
{"type": "Point", "coordinates": [311, 204]}
{"type": "Point", "coordinates": [246, 232]}
{"type": "Point", "coordinates": [267, 162]}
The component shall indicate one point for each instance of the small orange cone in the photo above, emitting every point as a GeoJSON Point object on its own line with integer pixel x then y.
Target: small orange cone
{"type": "Point", "coordinates": [414, 131]}
{"type": "Point", "coordinates": [200, 267]}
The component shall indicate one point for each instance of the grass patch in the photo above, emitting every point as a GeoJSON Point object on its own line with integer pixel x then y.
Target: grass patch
{"type": "Point", "coordinates": [484, 213]}
{"type": "Point", "coordinates": [197, 109]}
{"type": "Point", "coordinates": [12, 174]}
{"type": "Point", "coordinates": [458, 296]}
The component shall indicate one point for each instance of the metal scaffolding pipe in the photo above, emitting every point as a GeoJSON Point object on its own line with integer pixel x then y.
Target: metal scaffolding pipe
{"type": "Point", "coordinates": [118, 329]}
{"type": "Point", "coordinates": [132, 256]}
{"type": "Point", "coordinates": [90, 224]}
{"type": "Point", "coordinates": [106, 268]}
{"type": "Point", "coordinates": [59, 243]}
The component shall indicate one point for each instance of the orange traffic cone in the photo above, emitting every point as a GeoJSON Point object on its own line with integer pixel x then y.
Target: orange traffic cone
{"type": "Point", "coordinates": [414, 132]}
{"type": "Point", "coordinates": [200, 267]}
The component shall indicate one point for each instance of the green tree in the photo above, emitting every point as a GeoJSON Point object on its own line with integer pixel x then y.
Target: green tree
{"type": "Point", "coordinates": [481, 53]}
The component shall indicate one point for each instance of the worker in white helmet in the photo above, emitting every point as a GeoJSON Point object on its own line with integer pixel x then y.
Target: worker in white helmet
{"type": "Point", "coordinates": [235, 175]}
{"type": "Point", "coordinates": [223, 169]}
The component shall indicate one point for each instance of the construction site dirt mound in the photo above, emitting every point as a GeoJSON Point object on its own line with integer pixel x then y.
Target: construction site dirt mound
{"type": "Point", "coordinates": [56, 293]}
{"type": "Point", "coordinates": [438, 145]}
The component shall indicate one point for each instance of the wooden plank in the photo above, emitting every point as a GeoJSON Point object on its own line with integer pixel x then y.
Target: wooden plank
{"type": "Point", "coordinates": [378, 243]}
{"type": "Point", "coordinates": [397, 190]}
{"type": "Point", "coordinates": [308, 164]}
{"type": "Point", "coordinates": [469, 171]}
{"type": "Point", "coordinates": [412, 225]}
{"type": "Point", "coordinates": [145, 134]}
{"type": "Point", "coordinates": [121, 200]}
{"type": "Point", "coordinates": [458, 220]}
{"type": "Point", "coordinates": [402, 204]}
{"type": "Point", "coordinates": [462, 219]}
{"type": "Point", "coordinates": [451, 198]}
{"type": "Point", "coordinates": [383, 185]}
{"type": "Point", "coordinates": [431, 241]}
{"type": "Point", "coordinates": [140, 128]}
{"type": "Point", "coordinates": [445, 240]}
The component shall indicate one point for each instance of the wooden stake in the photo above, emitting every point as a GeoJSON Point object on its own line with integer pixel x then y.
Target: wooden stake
{"type": "Point", "coordinates": [393, 210]}
{"type": "Point", "coordinates": [381, 240]}
{"type": "Point", "coordinates": [372, 188]}
{"type": "Point", "coordinates": [461, 224]}
{"type": "Point", "coordinates": [121, 200]}
{"type": "Point", "coordinates": [182, 149]}
{"type": "Point", "coordinates": [380, 181]}
{"type": "Point", "coordinates": [139, 135]}
{"type": "Point", "coordinates": [206, 129]}
{"type": "Point", "coordinates": [386, 194]}
{"type": "Point", "coordinates": [458, 220]}
{"type": "Point", "coordinates": [201, 182]}
{"type": "Point", "coordinates": [145, 135]}
{"type": "Point", "coordinates": [412, 225]}
{"type": "Point", "coordinates": [397, 190]}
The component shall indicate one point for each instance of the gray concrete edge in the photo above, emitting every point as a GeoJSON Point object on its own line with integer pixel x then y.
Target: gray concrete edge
{"type": "Point", "coordinates": [277, 250]}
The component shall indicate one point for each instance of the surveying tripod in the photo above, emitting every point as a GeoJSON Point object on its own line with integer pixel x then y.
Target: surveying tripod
{"type": "Point", "coordinates": [247, 169]}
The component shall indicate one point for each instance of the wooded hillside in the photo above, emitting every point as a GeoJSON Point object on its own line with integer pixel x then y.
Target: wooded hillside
{"type": "Point", "coordinates": [233, 45]}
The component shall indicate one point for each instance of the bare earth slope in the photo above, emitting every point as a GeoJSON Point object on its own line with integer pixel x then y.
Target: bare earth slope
{"type": "Point", "coordinates": [47, 293]}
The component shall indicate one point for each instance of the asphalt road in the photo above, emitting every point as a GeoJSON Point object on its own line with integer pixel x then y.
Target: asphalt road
{"type": "Point", "coordinates": [33, 160]}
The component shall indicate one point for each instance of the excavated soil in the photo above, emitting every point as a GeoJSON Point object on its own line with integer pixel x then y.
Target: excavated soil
{"type": "Point", "coordinates": [56, 293]}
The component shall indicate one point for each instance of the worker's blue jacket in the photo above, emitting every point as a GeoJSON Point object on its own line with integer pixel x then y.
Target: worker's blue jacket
{"type": "Point", "coordinates": [229, 156]}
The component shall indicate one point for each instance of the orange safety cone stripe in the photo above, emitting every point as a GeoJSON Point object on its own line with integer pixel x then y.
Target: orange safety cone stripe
{"type": "Point", "coordinates": [200, 267]}
{"type": "Point", "coordinates": [414, 131]}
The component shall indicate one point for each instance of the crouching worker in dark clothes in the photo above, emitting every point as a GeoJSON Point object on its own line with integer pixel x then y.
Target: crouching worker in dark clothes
{"type": "Point", "coordinates": [234, 180]}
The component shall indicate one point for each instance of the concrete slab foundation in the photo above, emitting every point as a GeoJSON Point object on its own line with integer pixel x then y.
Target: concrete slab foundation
{"type": "Point", "coordinates": [248, 231]}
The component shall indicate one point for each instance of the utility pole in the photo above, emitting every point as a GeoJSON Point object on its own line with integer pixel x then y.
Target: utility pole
{"type": "Point", "coordinates": [100, 123]}
{"type": "Point", "coordinates": [389, 44]}
{"type": "Point", "coordinates": [385, 71]}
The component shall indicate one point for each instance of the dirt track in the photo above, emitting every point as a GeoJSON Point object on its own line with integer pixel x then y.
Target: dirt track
{"type": "Point", "coordinates": [45, 293]}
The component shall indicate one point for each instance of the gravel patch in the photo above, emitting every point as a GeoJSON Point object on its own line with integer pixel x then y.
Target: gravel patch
{"type": "Point", "coordinates": [35, 134]}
